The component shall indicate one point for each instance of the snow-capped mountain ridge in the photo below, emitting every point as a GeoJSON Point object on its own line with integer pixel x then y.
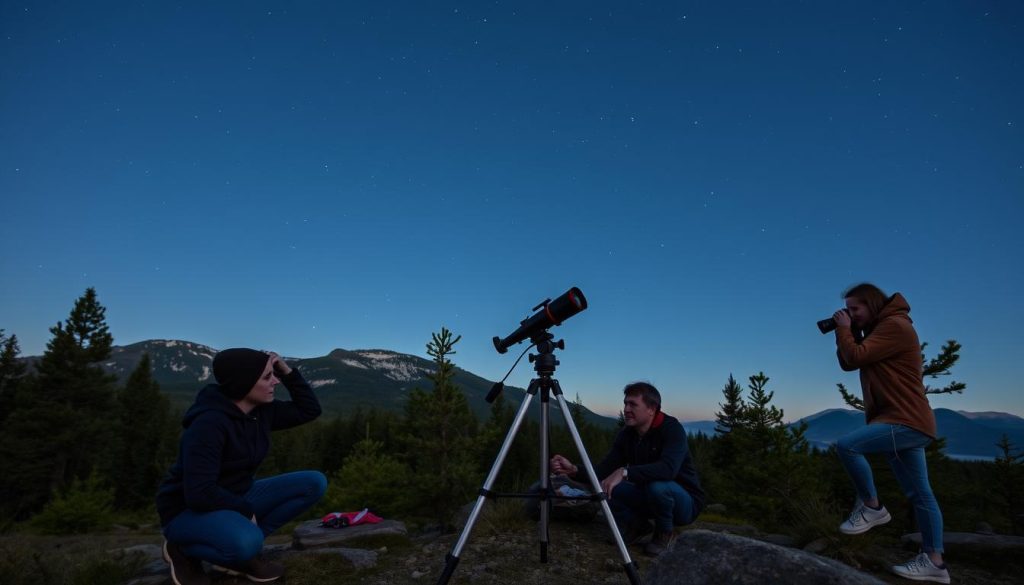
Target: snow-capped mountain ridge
{"type": "Point", "coordinates": [344, 380]}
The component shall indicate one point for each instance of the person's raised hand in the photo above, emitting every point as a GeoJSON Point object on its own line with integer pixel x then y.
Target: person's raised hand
{"type": "Point", "coordinates": [842, 318]}
{"type": "Point", "coordinates": [280, 367]}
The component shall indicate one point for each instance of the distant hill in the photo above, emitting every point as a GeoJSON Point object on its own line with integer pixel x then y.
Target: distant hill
{"type": "Point", "coordinates": [996, 420]}
{"type": "Point", "coordinates": [969, 435]}
{"type": "Point", "coordinates": [697, 427]}
{"type": "Point", "coordinates": [344, 380]}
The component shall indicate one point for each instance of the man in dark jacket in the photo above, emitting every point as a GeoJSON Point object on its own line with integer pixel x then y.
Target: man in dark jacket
{"type": "Point", "coordinates": [648, 473]}
{"type": "Point", "coordinates": [211, 507]}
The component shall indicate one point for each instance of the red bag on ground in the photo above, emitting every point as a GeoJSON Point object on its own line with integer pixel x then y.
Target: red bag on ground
{"type": "Point", "coordinates": [343, 519]}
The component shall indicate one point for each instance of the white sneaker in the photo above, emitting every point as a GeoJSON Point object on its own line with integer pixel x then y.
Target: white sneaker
{"type": "Point", "coordinates": [863, 518]}
{"type": "Point", "coordinates": [921, 568]}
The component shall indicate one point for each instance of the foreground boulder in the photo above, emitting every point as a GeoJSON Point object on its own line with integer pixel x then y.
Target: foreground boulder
{"type": "Point", "coordinates": [311, 535]}
{"type": "Point", "coordinates": [702, 557]}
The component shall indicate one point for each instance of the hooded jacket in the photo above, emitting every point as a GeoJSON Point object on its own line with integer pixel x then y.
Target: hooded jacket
{"type": "Point", "coordinates": [660, 454]}
{"type": "Point", "coordinates": [891, 369]}
{"type": "Point", "coordinates": [221, 448]}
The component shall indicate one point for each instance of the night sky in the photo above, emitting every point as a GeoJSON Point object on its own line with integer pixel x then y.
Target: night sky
{"type": "Point", "coordinates": [306, 176]}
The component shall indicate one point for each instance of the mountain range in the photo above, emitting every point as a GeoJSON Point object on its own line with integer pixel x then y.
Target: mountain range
{"type": "Point", "coordinates": [969, 435]}
{"type": "Point", "coordinates": [344, 380]}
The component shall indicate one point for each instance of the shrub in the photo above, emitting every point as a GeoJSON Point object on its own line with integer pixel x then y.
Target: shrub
{"type": "Point", "coordinates": [370, 479]}
{"type": "Point", "coordinates": [85, 506]}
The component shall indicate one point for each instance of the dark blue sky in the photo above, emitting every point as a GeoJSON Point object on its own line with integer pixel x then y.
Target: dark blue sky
{"type": "Point", "coordinates": [711, 175]}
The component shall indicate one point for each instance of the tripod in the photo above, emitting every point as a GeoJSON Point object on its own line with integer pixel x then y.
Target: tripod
{"type": "Point", "coordinates": [544, 365]}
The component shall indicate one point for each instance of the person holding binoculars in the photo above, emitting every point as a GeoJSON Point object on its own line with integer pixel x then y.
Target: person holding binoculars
{"type": "Point", "coordinates": [875, 335]}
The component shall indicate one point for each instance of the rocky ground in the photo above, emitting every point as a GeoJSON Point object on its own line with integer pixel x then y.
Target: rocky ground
{"type": "Point", "coordinates": [505, 550]}
{"type": "Point", "coordinates": [578, 553]}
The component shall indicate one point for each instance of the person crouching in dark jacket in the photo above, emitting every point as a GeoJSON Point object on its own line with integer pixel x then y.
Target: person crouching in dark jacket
{"type": "Point", "coordinates": [648, 473]}
{"type": "Point", "coordinates": [211, 507]}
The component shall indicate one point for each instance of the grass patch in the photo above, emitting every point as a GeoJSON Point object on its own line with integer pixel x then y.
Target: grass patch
{"type": "Point", "coordinates": [28, 560]}
{"type": "Point", "coordinates": [502, 516]}
{"type": "Point", "coordinates": [376, 541]}
{"type": "Point", "coordinates": [319, 568]}
{"type": "Point", "coordinates": [816, 518]}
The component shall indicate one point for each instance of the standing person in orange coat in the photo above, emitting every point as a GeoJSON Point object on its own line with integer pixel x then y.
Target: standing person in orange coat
{"type": "Point", "coordinates": [875, 335]}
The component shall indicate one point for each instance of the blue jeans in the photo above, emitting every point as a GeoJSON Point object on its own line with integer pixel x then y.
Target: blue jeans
{"type": "Point", "coordinates": [904, 448]}
{"type": "Point", "coordinates": [225, 537]}
{"type": "Point", "coordinates": [664, 501]}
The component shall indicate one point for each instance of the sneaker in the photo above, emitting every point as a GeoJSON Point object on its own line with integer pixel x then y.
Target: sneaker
{"type": "Point", "coordinates": [185, 570]}
{"type": "Point", "coordinates": [659, 543]}
{"type": "Point", "coordinates": [921, 568]}
{"type": "Point", "coordinates": [255, 569]}
{"type": "Point", "coordinates": [864, 518]}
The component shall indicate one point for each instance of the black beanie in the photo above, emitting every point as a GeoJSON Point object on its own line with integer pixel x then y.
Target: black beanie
{"type": "Point", "coordinates": [238, 369]}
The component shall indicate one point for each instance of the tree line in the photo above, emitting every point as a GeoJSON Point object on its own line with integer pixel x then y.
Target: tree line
{"type": "Point", "coordinates": [78, 450]}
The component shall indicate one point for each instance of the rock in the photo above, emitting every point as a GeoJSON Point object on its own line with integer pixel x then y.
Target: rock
{"type": "Point", "coordinates": [311, 535]}
{"type": "Point", "coordinates": [702, 557]}
{"type": "Point", "coordinates": [360, 558]}
{"type": "Point", "coordinates": [275, 550]}
{"type": "Point", "coordinates": [719, 509]}
{"type": "Point", "coordinates": [744, 529]}
{"type": "Point", "coordinates": [417, 574]}
{"type": "Point", "coordinates": [158, 567]}
{"type": "Point", "coordinates": [149, 551]}
{"type": "Point", "coordinates": [969, 541]}
{"type": "Point", "coordinates": [152, 553]}
{"type": "Point", "coordinates": [779, 539]}
{"type": "Point", "coordinates": [984, 528]}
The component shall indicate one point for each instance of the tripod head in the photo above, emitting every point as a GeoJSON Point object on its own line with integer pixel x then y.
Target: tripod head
{"type": "Point", "coordinates": [544, 362]}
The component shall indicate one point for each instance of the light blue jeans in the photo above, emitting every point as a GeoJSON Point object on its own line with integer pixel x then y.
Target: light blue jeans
{"type": "Point", "coordinates": [904, 448]}
{"type": "Point", "coordinates": [225, 537]}
{"type": "Point", "coordinates": [664, 501]}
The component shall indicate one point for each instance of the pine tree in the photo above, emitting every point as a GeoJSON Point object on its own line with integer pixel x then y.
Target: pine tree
{"type": "Point", "coordinates": [765, 463]}
{"type": "Point", "coordinates": [759, 415]}
{"type": "Point", "coordinates": [730, 424]}
{"type": "Point", "coordinates": [144, 412]}
{"type": "Point", "coordinates": [441, 429]}
{"type": "Point", "coordinates": [941, 365]}
{"type": "Point", "coordinates": [1009, 478]}
{"type": "Point", "coordinates": [63, 422]}
{"type": "Point", "coordinates": [11, 372]}
{"type": "Point", "coordinates": [731, 415]}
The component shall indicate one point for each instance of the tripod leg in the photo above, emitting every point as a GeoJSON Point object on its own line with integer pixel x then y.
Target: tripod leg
{"type": "Point", "coordinates": [545, 482]}
{"type": "Point", "coordinates": [628, 564]}
{"type": "Point", "coordinates": [452, 559]}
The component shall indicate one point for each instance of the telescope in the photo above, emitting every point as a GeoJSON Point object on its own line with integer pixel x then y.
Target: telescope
{"type": "Point", "coordinates": [547, 314]}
